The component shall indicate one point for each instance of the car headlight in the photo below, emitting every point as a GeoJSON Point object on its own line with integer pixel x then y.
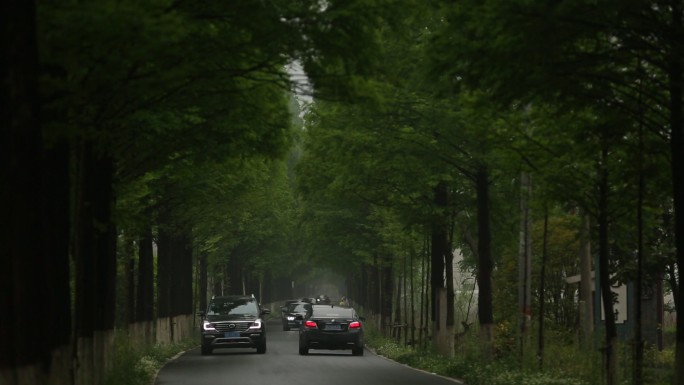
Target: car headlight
{"type": "Point", "coordinates": [208, 326]}
{"type": "Point", "coordinates": [290, 318]}
{"type": "Point", "coordinates": [256, 324]}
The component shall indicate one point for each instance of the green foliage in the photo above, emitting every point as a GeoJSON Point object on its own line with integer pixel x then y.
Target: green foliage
{"type": "Point", "coordinates": [471, 368]}
{"type": "Point", "coordinates": [135, 365]}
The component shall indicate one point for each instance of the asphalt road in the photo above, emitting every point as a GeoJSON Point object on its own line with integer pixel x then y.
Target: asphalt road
{"type": "Point", "coordinates": [282, 365]}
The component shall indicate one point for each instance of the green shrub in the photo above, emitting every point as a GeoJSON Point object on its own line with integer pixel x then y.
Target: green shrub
{"type": "Point", "coordinates": [470, 367]}
{"type": "Point", "coordinates": [138, 366]}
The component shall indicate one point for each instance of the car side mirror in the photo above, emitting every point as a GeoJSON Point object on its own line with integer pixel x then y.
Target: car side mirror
{"type": "Point", "coordinates": [265, 311]}
{"type": "Point", "coordinates": [283, 308]}
{"type": "Point", "coordinates": [200, 313]}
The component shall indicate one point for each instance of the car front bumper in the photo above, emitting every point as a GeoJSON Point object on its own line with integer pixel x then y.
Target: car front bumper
{"type": "Point", "coordinates": [218, 340]}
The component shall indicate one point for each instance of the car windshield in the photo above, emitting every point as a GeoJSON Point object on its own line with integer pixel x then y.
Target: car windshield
{"type": "Point", "coordinates": [332, 312]}
{"type": "Point", "coordinates": [232, 307]}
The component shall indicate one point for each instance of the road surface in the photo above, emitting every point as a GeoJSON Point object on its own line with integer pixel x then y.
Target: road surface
{"type": "Point", "coordinates": [282, 365]}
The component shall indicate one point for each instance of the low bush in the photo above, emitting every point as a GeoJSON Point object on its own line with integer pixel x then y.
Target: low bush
{"type": "Point", "coordinates": [139, 365]}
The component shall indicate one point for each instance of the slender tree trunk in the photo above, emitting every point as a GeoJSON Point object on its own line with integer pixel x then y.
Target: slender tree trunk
{"type": "Point", "coordinates": [183, 274]}
{"type": "Point", "coordinates": [398, 309]}
{"type": "Point", "coordinates": [424, 268]}
{"type": "Point", "coordinates": [542, 289]}
{"type": "Point", "coordinates": [144, 313]}
{"type": "Point", "coordinates": [164, 268]}
{"type": "Point", "coordinates": [203, 287]}
{"type": "Point", "coordinates": [485, 264]}
{"type": "Point", "coordinates": [105, 250]}
{"type": "Point", "coordinates": [524, 263]}
{"type": "Point", "coordinates": [387, 282]}
{"type": "Point", "coordinates": [677, 153]}
{"type": "Point", "coordinates": [413, 299]}
{"type": "Point", "coordinates": [129, 255]}
{"type": "Point", "coordinates": [604, 273]}
{"type": "Point", "coordinates": [586, 283]}
{"type": "Point", "coordinates": [145, 293]}
{"type": "Point", "coordinates": [449, 269]}
{"type": "Point", "coordinates": [438, 252]}
{"type": "Point", "coordinates": [638, 343]}
{"type": "Point", "coordinates": [404, 294]}
{"type": "Point", "coordinates": [85, 268]}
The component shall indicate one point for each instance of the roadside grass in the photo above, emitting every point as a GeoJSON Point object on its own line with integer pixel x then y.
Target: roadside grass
{"type": "Point", "coordinates": [133, 365]}
{"type": "Point", "coordinates": [564, 362]}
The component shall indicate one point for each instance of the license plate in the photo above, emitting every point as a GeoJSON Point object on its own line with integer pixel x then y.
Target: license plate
{"type": "Point", "coordinates": [232, 334]}
{"type": "Point", "coordinates": [333, 327]}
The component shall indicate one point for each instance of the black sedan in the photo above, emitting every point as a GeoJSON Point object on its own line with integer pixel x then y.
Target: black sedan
{"type": "Point", "coordinates": [331, 327]}
{"type": "Point", "coordinates": [291, 311]}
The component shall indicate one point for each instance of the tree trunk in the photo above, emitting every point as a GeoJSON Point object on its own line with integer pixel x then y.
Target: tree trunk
{"type": "Point", "coordinates": [34, 267]}
{"type": "Point", "coordinates": [485, 265]}
{"type": "Point", "coordinates": [524, 263]}
{"type": "Point", "coordinates": [144, 312]}
{"type": "Point", "coordinates": [164, 269]}
{"type": "Point", "coordinates": [676, 151]}
{"type": "Point", "coordinates": [638, 343]}
{"type": "Point", "coordinates": [95, 256]}
{"type": "Point", "coordinates": [182, 274]}
{"type": "Point", "coordinates": [542, 288]}
{"type": "Point", "coordinates": [604, 274]}
{"type": "Point", "coordinates": [586, 283]}
{"type": "Point", "coordinates": [129, 255]}
{"type": "Point", "coordinates": [145, 293]}
{"type": "Point", "coordinates": [424, 290]}
{"type": "Point", "coordinates": [438, 246]}
{"type": "Point", "coordinates": [387, 292]}
{"type": "Point", "coordinates": [57, 275]}
{"type": "Point", "coordinates": [413, 300]}
{"type": "Point", "coordinates": [203, 287]}
{"type": "Point", "coordinates": [398, 307]}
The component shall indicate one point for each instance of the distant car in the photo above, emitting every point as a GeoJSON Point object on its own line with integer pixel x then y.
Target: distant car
{"type": "Point", "coordinates": [233, 322]}
{"type": "Point", "coordinates": [291, 311]}
{"type": "Point", "coordinates": [323, 300]}
{"type": "Point", "coordinates": [331, 327]}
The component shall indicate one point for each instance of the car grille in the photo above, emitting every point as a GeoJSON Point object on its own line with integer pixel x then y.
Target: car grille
{"type": "Point", "coordinates": [225, 326]}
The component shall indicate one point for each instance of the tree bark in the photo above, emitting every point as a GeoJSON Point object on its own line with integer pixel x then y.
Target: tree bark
{"type": "Point", "coordinates": [586, 283]}
{"type": "Point", "coordinates": [542, 288]}
{"type": "Point", "coordinates": [145, 293]}
{"type": "Point", "coordinates": [34, 267]}
{"type": "Point", "coordinates": [604, 273]}
{"type": "Point", "coordinates": [438, 246]}
{"type": "Point", "coordinates": [485, 264]}
{"type": "Point", "coordinates": [203, 281]}
{"type": "Point", "coordinates": [164, 266]}
{"type": "Point", "coordinates": [524, 263]}
{"type": "Point", "coordinates": [129, 255]}
{"type": "Point", "coordinates": [677, 153]}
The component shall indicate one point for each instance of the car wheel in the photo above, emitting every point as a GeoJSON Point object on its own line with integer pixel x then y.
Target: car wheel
{"type": "Point", "coordinates": [357, 351]}
{"type": "Point", "coordinates": [303, 349]}
{"type": "Point", "coordinates": [206, 350]}
{"type": "Point", "coordinates": [261, 348]}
